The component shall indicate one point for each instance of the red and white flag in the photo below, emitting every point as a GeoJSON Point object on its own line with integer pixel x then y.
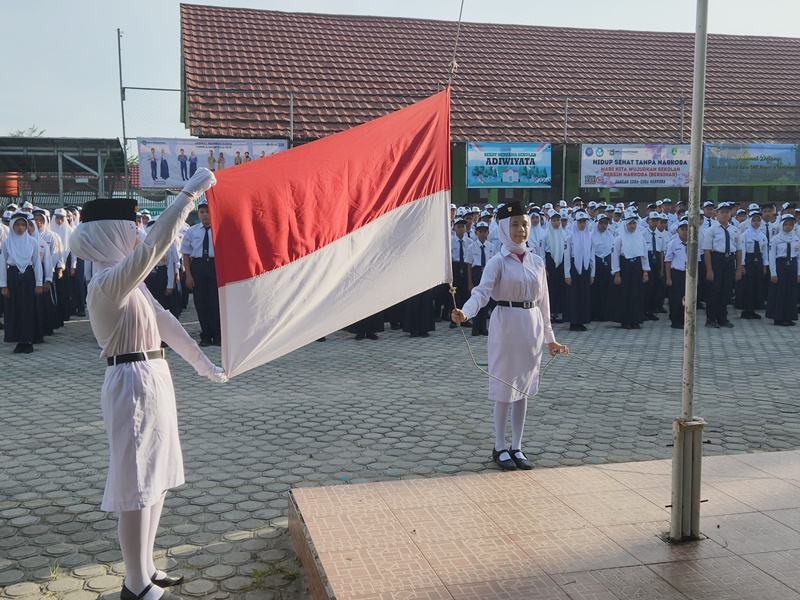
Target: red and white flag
{"type": "Point", "coordinates": [315, 238]}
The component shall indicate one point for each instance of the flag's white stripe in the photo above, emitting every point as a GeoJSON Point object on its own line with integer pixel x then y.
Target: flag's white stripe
{"type": "Point", "coordinates": [398, 255]}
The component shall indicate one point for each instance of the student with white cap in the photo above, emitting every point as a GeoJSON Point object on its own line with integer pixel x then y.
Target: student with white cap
{"type": "Point", "coordinates": [784, 270]}
{"type": "Point", "coordinates": [723, 260]}
{"type": "Point", "coordinates": [137, 396]}
{"type": "Point", "coordinates": [656, 244]}
{"type": "Point", "coordinates": [579, 274]}
{"type": "Point", "coordinates": [21, 280]}
{"type": "Point", "coordinates": [519, 326]}
{"type": "Point", "coordinates": [630, 268]}
{"type": "Point", "coordinates": [675, 271]}
{"type": "Point", "coordinates": [750, 295]}
{"type": "Point", "coordinates": [602, 245]}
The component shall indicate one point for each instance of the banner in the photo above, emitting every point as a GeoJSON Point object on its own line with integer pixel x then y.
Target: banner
{"type": "Point", "coordinates": [751, 164]}
{"type": "Point", "coordinates": [169, 162]}
{"type": "Point", "coordinates": [493, 165]}
{"type": "Point", "coordinates": [635, 165]}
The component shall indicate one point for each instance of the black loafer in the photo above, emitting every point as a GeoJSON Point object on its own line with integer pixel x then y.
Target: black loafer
{"type": "Point", "coordinates": [126, 594]}
{"type": "Point", "coordinates": [505, 465]}
{"type": "Point", "coordinates": [522, 462]}
{"type": "Point", "coordinates": [167, 581]}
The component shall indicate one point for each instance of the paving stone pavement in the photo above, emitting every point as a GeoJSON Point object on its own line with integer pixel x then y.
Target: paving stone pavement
{"type": "Point", "coordinates": [334, 413]}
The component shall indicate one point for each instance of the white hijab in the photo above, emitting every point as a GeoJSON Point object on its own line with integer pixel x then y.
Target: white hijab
{"type": "Point", "coordinates": [554, 242]}
{"type": "Point", "coordinates": [63, 231]}
{"type": "Point", "coordinates": [505, 238]}
{"type": "Point", "coordinates": [20, 248]}
{"type": "Point", "coordinates": [105, 243]}
{"type": "Point", "coordinates": [537, 232]}
{"type": "Point", "coordinates": [603, 242]}
{"type": "Point", "coordinates": [581, 247]}
{"type": "Point", "coordinates": [632, 243]}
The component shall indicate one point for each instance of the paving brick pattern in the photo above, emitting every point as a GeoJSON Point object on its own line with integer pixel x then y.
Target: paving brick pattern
{"type": "Point", "coordinates": [343, 412]}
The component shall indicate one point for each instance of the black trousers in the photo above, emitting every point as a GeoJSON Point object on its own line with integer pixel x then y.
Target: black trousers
{"type": "Point", "coordinates": [718, 292]}
{"type": "Point", "coordinates": [654, 296]}
{"type": "Point", "coordinates": [206, 298]}
{"type": "Point", "coordinates": [676, 293]}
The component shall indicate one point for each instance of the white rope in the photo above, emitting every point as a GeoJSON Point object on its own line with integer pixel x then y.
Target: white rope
{"type": "Point", "coordinates": [453, 64]}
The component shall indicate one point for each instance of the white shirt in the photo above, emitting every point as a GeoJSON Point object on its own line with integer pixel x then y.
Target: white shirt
{"type": "Point", "coordinates": [676, 254]}
{"type": "Point", "coordinates": [615, 256]}
{"type": "Point", "coordinates": [473, 254]}
{"type": "Point", "coordinates": [747, 244]}
{"type": "Point", "coordinates": [714, 238]}
{"type": "Point", "coordinates": [459, 245]}
{"type": "Point", "coordinates": [778, 252]}
{"type": "Point", "coordinates": [192, 243]}
{"type": "Point", "coordinates": [661, 240]}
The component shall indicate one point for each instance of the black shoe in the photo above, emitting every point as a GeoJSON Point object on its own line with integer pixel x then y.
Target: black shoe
{"type": "Point", "coordinates": [626, 326]}
{"type": "Point", "coordinates": [791, 323]}
{"type": "Point", "coordinates": [520, 460]}
{"type": "Point", "coordinates": [676, 326]}
{"type": "Point", "coordinates": [167, 581]}
{"type": "Point", "coordinates": [712, 324]}
{"type": "Point", "coordinates": [583, 328]}
{"type": "Point", "coordinates": [395, 326]}
{"type": "Point", "coordinates": [637, 326]}
{"type": "Point", "coordinates": [726, 323]}
{"type": "Point", "coordinates": [453, 324]}
{"type": "Point", "coordinates": [746, 314]}
{"type": "Point", "coordinates": [424, 334]}
{"type": "Point", "coordinates": [126, 594]}
{"type": "Point", "coordinates": [204, 343]}
{"type": "Point", "coordinates": [485, 332]}
{"type": "Point", "coordinates": [505, 465]}
{"type": "Point", "coordinates": [652, 317]}
{"type": "Point", "coordinates": [475, 333]}
{"type": "Point", "coordinates": [372, 336]}
{"type": "Point", "coordinates": [19, 348]}
{"type": "Point", "coordinates": [467, 323]}
{"type": "Point", "coordinates": [756, 315]}
{"type": "Point", "coordinates": [360, 336]}
{"type": "Point", "coordinates": [574, 327]}
{"type": "Point", "coordinates": [81, 313]}
{"type": "Point", "coordinates": [414, 334]}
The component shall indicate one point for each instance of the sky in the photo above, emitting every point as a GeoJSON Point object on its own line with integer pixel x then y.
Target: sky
{"type": "Point", "coordinates": [65, 76]}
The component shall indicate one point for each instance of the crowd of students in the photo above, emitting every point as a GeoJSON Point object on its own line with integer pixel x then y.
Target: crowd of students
{"type": "Point", "coordinates": [608, 262]}
{"type": "Point", "coordinates": [43, 284]}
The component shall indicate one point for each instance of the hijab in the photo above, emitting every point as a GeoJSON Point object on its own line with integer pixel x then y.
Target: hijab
{"type": "Point", "coordinates": [105, 243]}
{"type": "Point", "coordinates": [554, 242]}
{"type": "Point", "coordinates": [581, 247]}
{"type": "Point", "coordinates": [602, 242]}
{"type": "Point", "coordinates": [63, 231]}
{"type": "Point", "coordinates": [20, 247]}
{"type": "Point", "coordinates": [632, 243]}
{"type": "Point", "coordinates": [505, 238]}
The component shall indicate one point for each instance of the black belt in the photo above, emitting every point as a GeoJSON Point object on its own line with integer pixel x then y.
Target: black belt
{"type": "Point", "coordinates": [204, 258]}
{"type": "Point", "coordinates": [727, 256]}
{"type": "Point", "coordinates": [529, 304]}
{"type": "Point", "coordinates": [135, 357]}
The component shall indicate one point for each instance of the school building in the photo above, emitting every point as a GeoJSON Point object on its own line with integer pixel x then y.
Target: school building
{"type": "Point", "coordinates": [298, 76]}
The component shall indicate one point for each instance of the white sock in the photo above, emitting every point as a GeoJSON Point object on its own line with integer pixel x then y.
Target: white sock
{"type": "Point", "coordinates": [500, 419]}
{"type": "Point", "coordinates": [155, 517]}
{"type": "Point", "coordinates": [134, 536]}
{"type": "Point", "coordinates": [518, 411]}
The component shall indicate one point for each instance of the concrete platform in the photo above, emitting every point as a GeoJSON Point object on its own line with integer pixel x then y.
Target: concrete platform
{"type": "Point", "coordinates": [580, 533]}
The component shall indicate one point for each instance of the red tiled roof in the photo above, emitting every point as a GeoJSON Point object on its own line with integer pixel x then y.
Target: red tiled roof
{"type": "Point", "coordinates": [624, 86]}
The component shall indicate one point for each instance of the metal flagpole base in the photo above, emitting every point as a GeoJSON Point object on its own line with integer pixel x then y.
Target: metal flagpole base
{"type": "Point", "coordinates": [687, 455]}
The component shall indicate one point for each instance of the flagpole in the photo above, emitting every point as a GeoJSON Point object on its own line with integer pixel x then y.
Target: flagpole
{"type": "Point", "coordinates": [688, 430]}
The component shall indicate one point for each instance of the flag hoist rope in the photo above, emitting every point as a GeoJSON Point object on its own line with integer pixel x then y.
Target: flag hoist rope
{"type": "Point", "coordinates": [543, 369]}
{"type": "Point", "coordinates": [451, 68]}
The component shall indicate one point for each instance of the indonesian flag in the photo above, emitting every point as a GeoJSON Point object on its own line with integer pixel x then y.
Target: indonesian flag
{"type": "Point", "coordinates": [315, 238]}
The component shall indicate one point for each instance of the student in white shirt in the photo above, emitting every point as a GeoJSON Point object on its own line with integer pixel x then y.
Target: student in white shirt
{"type": "Point", "coordinates": [579, 274]}
{"type": "Point", "coordinates": [675, 271]}
{"type": "Point", "coordinates": [602, 244]}
{"type": "Point", "coordinates": [631, 270]}
{"type": "Point", "coordinates": [750, 292]}
{"type": "Point", "coordinates": [479, 253]}
{"type": "Point", "coordinates": [723, 260]}
{"type": "Point", "coordinates": [784, 270]}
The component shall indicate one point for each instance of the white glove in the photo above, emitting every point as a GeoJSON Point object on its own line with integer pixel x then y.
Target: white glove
{"type": "Point", "coordinates": [201, 181]}
{"type": "Point", "coordinates": [218, 375]}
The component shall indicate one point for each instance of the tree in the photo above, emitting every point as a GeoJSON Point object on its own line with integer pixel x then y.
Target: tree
{"type": "Point", "coordinates": [32, 131]}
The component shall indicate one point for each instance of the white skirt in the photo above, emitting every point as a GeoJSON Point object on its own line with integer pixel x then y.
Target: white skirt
{"type": "Point", "coordinates": [515, 352]}
{"type": "Point", "coordinates": [141, 421]}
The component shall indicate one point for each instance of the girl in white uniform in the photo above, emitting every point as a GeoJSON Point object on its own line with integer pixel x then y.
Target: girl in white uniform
{"type": "Point", "coordinates": [519, 325]}
{"type": "Point", "coordinates": [138, 399]}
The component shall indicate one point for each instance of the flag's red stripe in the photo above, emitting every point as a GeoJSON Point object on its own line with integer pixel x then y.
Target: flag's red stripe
{"type": "Point", "coordinates": [274, 210]}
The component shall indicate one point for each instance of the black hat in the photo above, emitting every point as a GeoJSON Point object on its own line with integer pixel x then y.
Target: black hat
{"type": "Point", "coordinates": [109, 209]}
{"type": "Point", "coordinates": [512, 209]}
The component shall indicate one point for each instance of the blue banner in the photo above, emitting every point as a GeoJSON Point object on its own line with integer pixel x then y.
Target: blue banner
{"type": "Point", "coordinates": [498, 165]}
{"type": "Point", "coordinates": [751, 164]}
